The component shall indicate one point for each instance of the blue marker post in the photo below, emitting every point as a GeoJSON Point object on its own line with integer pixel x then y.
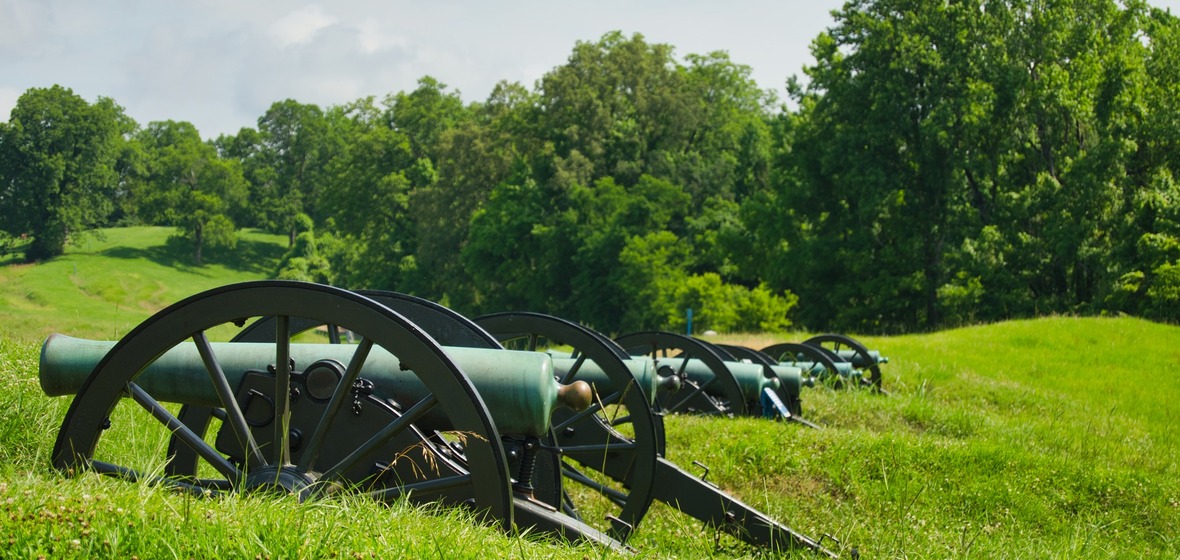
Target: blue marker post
{"type": "Point", "coordinates": [689, 313]}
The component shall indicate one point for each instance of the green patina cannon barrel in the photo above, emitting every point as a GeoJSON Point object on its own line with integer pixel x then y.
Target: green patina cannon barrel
{"type": "Point", "coordinates": [518, 388]}
{"type": "Point", "coordinates": [816, 369]}
{"type": "Point", "coordinates": [862, 360]}
{"type": "Point", "coordinates": [791, 379]}
{"type": "Point", "coordinates": [752, 378]}
{"type": "Point", "coordinates": [642, 370]}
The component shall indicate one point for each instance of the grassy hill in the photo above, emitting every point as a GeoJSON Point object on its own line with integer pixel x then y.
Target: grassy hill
{"type": "Point", "coordinates": [1050, 438]}
{"type": "Point", "coordinates": [105, 285]}
{"type": "Point", "coordinates": [1047, 438]}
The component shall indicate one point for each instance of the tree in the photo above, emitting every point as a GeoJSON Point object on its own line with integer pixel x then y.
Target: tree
{"type": "Point", "coordinates": [367, 186]}
{"type": "Point", "coordinates": [965, 160]}
{"type": "Point", "coordinates": [190, 187]}
{"type": "Point", "coordinates": [284, 161]}
{"type": "Point", "coordinates": [58, 167]}
{"type": "Point", "coordinates": [472, 157]}
{"type": "Point", "coordinates": [424, 114]}
{"type": "Point", "coordinates": [622, 147]}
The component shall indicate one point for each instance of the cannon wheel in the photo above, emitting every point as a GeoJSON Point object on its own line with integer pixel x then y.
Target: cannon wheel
{"type": "Point", "coordinates": [838, 342]}
{"type": "Point", "coordinates": [591, 437]}
{"type": "Point", "coordinates": [658, 344]}
{"type": "Point", "coordinates": [445, 326]}
{"type": "Point", "coordinates": [487, 481]}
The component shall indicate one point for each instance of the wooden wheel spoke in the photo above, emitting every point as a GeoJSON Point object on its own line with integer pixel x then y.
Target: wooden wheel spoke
{"type": "Point", "coordinates": [339, 396]}
{"type": "Point", "coordinates": [569, 375]}
{"type": "Point", "coordinates": [200, 487]}
{"type": "Point", "coordinates": [432, 485]}
{"type": "Point", "coordinates": [186, 435]}
{"type": "Point", "coordinates": [232, 412]}
{"type": "Point", "coordinates": [282, 394]}
{"type": "Point", "coordinates": [614, 495]}
{"type": "Point", "coordinates": [589, 410]}
{"type": "Point", "coordinates": [387, 433]}
{"type": "Point", "coordinates": [698, 390]}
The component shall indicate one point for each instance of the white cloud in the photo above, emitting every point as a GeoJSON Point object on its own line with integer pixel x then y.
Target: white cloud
{"type": "Point", "coordinates": [375, 37]}
{"type": "Point", "coordinates": [299, 26]}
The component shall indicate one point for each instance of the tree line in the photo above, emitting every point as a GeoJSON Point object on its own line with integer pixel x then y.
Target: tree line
{"type": "Point", "coordinates": [945, 163]}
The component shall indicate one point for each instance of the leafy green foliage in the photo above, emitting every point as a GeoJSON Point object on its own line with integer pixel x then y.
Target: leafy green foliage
{"type": "Point", "coordinates": [58, 160]}
{"type": "Point", "coordinates": [303, 261]}
{"type": "Point", "coordinates": [972, 161]}
{"type": "Point", "coordinates": [188, 186]}
{"type": "Point", "coordinates": [286, 163]}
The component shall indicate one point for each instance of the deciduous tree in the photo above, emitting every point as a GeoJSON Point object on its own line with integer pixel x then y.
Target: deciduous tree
{"type": "Point", "coordinates": [190, 187]}
{"type": "Point", "coordinates": [58, 157]}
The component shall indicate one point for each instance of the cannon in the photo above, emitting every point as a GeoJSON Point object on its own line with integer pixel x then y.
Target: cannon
{"type": "Point", "coordinates": [715, 381]}
{"type": "Point", "coordinates": [586, 355]}
{"type": "Point", "coordinates": [544, 483]}
{"type": "Point", "coordinates": [832, 358]}
{"type": "Point", "coordinates": [392, 416]}
{"type": "Point", "coordinates": [618, 436]}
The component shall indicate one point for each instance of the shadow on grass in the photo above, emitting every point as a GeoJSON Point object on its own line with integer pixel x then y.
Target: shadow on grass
{"type": "Point", "coordinates": [13, 251]}
{"type": "Point", "coordinates": [256, 257]}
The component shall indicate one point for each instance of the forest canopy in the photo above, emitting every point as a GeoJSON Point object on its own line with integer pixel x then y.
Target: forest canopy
{"type": "Point", "coordinates": [941, 164]}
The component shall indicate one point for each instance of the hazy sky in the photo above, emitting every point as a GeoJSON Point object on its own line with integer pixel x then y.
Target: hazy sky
{"type": "Point", "coordinates": [221, 63]}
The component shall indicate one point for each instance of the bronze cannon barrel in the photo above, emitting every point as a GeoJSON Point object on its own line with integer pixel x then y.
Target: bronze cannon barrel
{"type": "Point", "coordinates": [791, 380]}
{"type": "Point", "coordinates": [751, 378]}
{"type": "Point", "coordinates": [642, 370]}
{"type": "Point", "coordinates": [518, 387]}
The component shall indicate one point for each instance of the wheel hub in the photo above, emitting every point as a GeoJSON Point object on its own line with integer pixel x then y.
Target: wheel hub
{"type": "Point", "coordinates": [279, 480]}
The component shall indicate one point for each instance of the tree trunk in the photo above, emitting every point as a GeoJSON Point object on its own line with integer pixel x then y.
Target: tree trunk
{"type": "Point", "coordinates": [200, 242]}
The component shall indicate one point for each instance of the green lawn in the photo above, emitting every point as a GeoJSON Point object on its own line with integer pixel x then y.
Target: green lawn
{"type": "Point", "coordinates": [1048, 438]}
{"type": "Point", "coordinates": [106, 285]}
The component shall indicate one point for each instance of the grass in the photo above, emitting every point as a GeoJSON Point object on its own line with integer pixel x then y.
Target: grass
{"type": "Point", "coordinates": [1049, 438]}
{"type": "Point", "coordinates": [105, 285]}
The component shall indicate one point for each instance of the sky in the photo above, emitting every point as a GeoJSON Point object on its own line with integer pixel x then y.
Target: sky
{"type": "Point", "coordinates": [220, 64]}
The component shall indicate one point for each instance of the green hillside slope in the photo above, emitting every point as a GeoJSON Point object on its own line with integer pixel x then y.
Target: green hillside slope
{"type": "Point", "coordinates": [103, 287]}
{"type": "Point", "coordinates": [1049, 438]}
